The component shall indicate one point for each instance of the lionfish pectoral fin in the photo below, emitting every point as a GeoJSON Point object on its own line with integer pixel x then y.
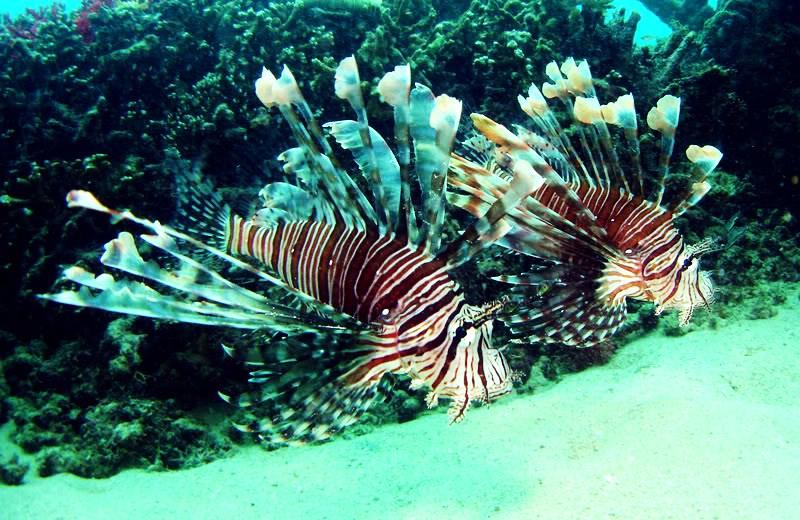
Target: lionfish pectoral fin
{"type": "Point", "coordinates": [189, 292]}
{"type": "Point", "coordinates": [311, 384]}
{"type": "Point", "coordinates": [568, 314]}
{"type": "Point", "coordinates": [167, 238]}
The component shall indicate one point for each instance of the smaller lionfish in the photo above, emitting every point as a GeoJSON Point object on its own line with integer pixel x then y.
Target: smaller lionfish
{"type": "Point", "coordinates": [603, 234]}
{"type": "Point", "coordinates": [368, 288]}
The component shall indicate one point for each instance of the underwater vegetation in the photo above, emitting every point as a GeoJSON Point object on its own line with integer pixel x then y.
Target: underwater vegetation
{"type": "Point", "coordinates": [97, 105]}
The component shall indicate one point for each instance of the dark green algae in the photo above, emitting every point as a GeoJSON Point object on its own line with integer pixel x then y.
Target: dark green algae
{"type": "Point", "coordinates": [90, 393]}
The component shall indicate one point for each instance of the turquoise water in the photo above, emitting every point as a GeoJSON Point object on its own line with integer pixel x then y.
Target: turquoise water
{"type": "Point", "coordinates": [651, 28]}
{"type": "Point", "coordinates": [14, 7]}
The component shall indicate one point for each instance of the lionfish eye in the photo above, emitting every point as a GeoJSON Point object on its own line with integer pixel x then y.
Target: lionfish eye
{"type": "Point", "coordinates": [687, 263]}
{"type": "Point", "coordinates": [461, 331]}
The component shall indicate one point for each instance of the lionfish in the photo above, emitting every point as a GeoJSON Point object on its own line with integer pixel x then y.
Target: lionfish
{"type": "Point", "coordinates": [365, 289]}
{"type": "Point", "coordinates": [597, 232]}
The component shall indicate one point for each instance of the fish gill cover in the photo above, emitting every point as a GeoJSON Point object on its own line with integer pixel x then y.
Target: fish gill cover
{"type": "Point", "coordinates": [100, 98]}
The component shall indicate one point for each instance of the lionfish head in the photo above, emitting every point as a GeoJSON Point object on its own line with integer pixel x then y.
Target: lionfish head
{"type": "Point", "coordinates": [478, 371]}
{"type": "Point", "coordinates": [692, 287]}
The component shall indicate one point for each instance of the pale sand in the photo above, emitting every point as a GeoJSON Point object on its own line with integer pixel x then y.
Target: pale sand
{"type": "Point", "coordinates": [702, 426]}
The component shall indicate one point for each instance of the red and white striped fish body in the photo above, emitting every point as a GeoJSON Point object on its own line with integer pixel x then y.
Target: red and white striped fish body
{"type": "Point", "coordinates": [652, 263]}
{"type": "Point", "coordinates": [454, 358]}
{"type": "Point", "coordinates": [596, 235]}
{"type": "Point", "coordinates": [420, 324]}
{"type": "Point", "coordinates": [367, 279]}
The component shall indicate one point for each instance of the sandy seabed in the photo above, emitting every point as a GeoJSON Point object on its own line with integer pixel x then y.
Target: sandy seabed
{"type": "Point", "coordinates": [706, 425]}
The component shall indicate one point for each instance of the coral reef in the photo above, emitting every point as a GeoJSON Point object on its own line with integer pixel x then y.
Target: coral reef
{"type": "Point", "coordinates": [140, 433]}
{"type": "Point", "coordinates": [12, 471]}
{"type": "Point", "coordinates": [736, 75]}
{"type": "Point", "coordinates": [97, 99]}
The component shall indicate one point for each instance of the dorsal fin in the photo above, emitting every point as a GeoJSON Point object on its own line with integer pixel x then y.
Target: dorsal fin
{"type": "Point", "coordinates": [622, 113]}
{"type": "Point", "coordinates": [704, 160]}
{"type": "Point", "coordinates": [374, 158]}
{"type": "Point", "coordinates": [536, 107]}
{"type": "Point", "coordinates": [325, 173]}
{"type": "Point", "coordinates": [444, 119]}
{"type": "Point", "coordinates": [426, 162]}
{"type": "Point", "coordinates": [394, 89]}
{"type": "Point", "coordinates": [377, 162]}
{"type": "Point", "coordinates": [480, 189]}
{"type": "Point", "coordinates": [598, 164]}
{"type": "Point", "coordinates": [664, 118]}
{"type": "Point", "coordinates": [524, 164]}
{"type": "Point", "coordinates": [521, 151]}
{"type": "Point", "coordinates": [282, 201]}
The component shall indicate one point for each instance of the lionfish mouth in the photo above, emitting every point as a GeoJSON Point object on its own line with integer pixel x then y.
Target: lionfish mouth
{"type": "Point", "coordinates": [490, 312]}
{"type": "Point", "coordinates": [689, 296]}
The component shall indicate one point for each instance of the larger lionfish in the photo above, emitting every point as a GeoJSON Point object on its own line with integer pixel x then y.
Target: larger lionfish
{"type": "Point", "coordinates": [369, 283]}
{"type": "Point", "coordinates": [599, 232]}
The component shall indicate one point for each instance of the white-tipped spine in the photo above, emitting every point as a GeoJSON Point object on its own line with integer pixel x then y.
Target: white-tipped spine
{"type": "Point", "coordinates": [285, 90]}
{"type": "Point", "coordinates": [706, 158]}
{"type": "Point", "coordinates": [587, 110]}
{"type": "Point", "coordinates": [445, 117]}
{"type": "Point", "coordinates": [347, 83]}
{"type": "Point", "coordinates": [395, 86]}
{"type": "Point", "coordinates": [264, 86]}
{"type": "Point", "coordinates": [665, 115]}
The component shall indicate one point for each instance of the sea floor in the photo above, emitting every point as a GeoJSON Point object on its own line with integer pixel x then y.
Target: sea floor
{"type": "Point", "coordinates": [706, 425]}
